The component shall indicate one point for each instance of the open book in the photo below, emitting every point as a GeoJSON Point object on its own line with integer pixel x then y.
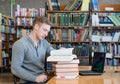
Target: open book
{"type": "Point", "coordinates": [64, 54]}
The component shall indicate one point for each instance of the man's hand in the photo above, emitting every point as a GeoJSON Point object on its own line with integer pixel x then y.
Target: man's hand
{"type": "Point", "coordinates": [41, 78]}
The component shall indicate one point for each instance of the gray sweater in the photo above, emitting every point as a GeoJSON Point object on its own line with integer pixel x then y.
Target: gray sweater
{"type": "Point", "coordinates": [27, 60]}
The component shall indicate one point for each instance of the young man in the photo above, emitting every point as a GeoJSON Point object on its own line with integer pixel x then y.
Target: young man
{"type": "Point", "coordinates": [28, 53]}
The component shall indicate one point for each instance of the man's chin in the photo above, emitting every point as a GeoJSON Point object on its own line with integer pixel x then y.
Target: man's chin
{"type": "Point", "coordinates": [42, 38]}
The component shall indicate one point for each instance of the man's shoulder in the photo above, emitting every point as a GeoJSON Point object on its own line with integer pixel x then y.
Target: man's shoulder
{"type": "Point", "coordinates": [44, 41]}
{"type": "Point", "coordinates": [21, 41]}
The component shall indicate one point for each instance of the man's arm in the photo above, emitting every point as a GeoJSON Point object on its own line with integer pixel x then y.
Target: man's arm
{"type": "Point", "coordinates": [18, 53]}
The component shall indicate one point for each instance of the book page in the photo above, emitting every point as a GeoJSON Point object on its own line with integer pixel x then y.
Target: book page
{"type": "Point", "coordinates": [75, 61]}
{"type": "Point", "coordinates": [62, 52]}
{"type": "Point", "coordinates": [61, 58]}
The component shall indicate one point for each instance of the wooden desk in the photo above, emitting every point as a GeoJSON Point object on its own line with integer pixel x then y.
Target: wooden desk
{"type": "Point", "coordinates": [105, 78]}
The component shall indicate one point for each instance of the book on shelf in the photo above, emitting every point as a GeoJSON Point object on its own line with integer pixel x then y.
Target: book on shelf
{"type": "Point", "coordinates": [62, 35]}
{"type": "Point", "coordinates": [96, 38]}
{"type": "Point", "coordinates": [106, 25]}
{"type": "Point", "coordinates": [106, 39]}
{"type": "Point", "coordinates": [77, 5]}
{"type": "Point", "coordinates": [73, 5]}
{"type": "Point", "coordinates": [54, 4]}
{"type": "Point", "coordinates": [85, 5]}
{"type": "Point", "coordinates": [32, 12]}
{"type": "Point", "coordinates": [109, 55]}
{"type": "Point", "coordinates": [109, 8]}
{"type": "Point", "coordinates": [95, 19]}
{"type": "Point", "coordinates": [69, 4]}
{"type": "Point", "coordinates": [115, 19]}
{"type": "Point", "coordinates": [69, 19]}
{"type": "Point", "coordinates": [84, 35]}
{"type": "Point", "coordinates": [74, 2]}
{"type": "Point", "coordinates": [116, 37]}
{"type": "Point", "coordinates": [99, 38]}
{"type": "Point", "coordinates": [105, 21]}
{"type": "Point", "coordinates": [95, 4]}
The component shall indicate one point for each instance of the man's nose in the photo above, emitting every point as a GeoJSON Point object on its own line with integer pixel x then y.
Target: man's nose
{"type": "Point", "coordinates": [46, 33]}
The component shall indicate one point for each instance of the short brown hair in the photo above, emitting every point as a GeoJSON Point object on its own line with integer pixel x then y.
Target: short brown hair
{"type": "Point", "coordinates": [41, 19]}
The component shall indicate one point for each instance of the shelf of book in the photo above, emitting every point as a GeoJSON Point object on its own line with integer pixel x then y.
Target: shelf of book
{"type": "Point", "coordinates": [61, 19]}
{"type": "Point", "coordinates": [106, 25]}
{"type": "Point", "coordinates": [24, 18]}
{"type": "Point", "coordinates": [70, 25]}
{"type": "Point", "coordinates": [7, 37]}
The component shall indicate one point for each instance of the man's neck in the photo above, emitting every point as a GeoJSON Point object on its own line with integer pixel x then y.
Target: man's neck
{"type": "Point", "coordinates": [32, 36]}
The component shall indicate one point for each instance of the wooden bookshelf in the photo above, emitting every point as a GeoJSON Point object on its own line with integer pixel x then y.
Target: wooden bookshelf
{"type": "Point", "coordinates": [55, 13]}
{"type": "Point", "coordinates": [7, 37]}
{"type": "Point", "coordinates": [24, 20]}
{"type": "Point", "coordinates": [55, 16]}
{"type": "Point", "coordinates": [110, 30]}
{"type": "Point", "coordinates": [115, 6]}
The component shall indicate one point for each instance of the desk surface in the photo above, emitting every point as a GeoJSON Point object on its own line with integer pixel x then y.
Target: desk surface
{"type": "Point", "coordinates": [105, 78]}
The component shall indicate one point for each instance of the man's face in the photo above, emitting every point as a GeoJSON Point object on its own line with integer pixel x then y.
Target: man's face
{"type": "Point", "coordinates": [42, 31]}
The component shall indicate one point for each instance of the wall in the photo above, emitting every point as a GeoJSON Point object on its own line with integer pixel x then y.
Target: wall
{"type": "Point", "coordinates": [5, 4]}
{"type": "Point", "coordinates": [5, 7]}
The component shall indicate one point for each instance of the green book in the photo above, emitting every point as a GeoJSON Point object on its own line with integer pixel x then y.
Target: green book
{"type": "Point", "coordinates": [118, 19]}
{"type": "Point", "coordinates": [113, 18]}
{"type": "Point", "coordinates": [76, 5]}
{"type": "Point", "coordinates": [69, 5]}
{"type": "Point", "coordinates": [53, 19]}
{"type": "Point", "coordinates": [85, 20]}
{"type": "Point", "coordinates": [82, 16]}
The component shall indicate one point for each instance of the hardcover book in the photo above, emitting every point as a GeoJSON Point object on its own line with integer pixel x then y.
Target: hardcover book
{"type": "Point", "coordinates": [95, 4]}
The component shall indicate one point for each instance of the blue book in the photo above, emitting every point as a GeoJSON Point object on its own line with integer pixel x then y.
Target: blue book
{"type": "Point", "coordinates": [95, 4]}
{"type": "Point", "coordinates": [105, 20]}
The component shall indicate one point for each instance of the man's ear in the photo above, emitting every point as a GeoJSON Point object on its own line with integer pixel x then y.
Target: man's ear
{"type": "Point", "coordinates": [36, 27]}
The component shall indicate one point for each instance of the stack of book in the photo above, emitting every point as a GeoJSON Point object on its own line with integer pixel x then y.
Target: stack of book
{"type": "Point", "coordinates": [67, 69]}
{"type": "Point", "coordinates": [65, 64]}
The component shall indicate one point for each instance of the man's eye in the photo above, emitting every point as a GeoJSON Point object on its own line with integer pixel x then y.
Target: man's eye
{"type": "Point", "coordinates": [44, 29]}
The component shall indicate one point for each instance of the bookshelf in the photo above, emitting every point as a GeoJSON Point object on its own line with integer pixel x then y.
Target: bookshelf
{"type": "Point", "coordinates": [108, 31]}
{"type": "Point", "coordinates": [70, 29]}
{"type": "Point", "coordinates": [93, 28]}
{"type": "Point", "coordinates": [24, 18]}
{"type": "Point", "coordinates": [7, 38]}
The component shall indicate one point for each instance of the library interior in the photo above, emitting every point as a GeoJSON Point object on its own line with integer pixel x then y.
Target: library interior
{"type": "Point", "coordinates": [59, 41]}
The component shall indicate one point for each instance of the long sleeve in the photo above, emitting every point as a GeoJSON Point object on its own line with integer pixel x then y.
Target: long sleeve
{"type": "Point", "coordinates": [18, 53]}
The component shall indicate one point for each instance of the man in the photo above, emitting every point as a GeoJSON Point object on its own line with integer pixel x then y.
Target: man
{"type": "Point", "coordinates": [28, 53]}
